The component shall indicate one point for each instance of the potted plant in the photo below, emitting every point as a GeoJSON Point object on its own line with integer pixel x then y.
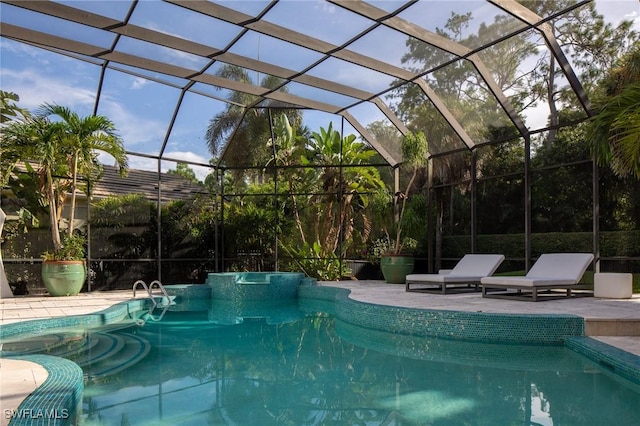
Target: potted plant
{"type": "Point", "coordinates": [64, 270]}
{"type": "Point", "coordinates": [396, 262]}
{"type": "Point", "coordinates": [57, 146]}
{"type": "Point", "coordinates": [395, 249]}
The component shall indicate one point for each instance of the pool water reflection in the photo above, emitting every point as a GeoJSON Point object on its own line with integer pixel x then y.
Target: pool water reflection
{"type": "Point", "coordinates": [307, 367]}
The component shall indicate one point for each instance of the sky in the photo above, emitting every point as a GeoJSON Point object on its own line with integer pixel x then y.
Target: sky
{"type": "Point", "coordinates": [141, 108]}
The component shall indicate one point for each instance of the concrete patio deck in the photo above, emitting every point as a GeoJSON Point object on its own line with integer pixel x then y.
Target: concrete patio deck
{"type": "Point", "coordinates": [612, 321]}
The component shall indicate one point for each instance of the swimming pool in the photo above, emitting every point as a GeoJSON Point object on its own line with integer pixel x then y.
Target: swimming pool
{"type": "Point", "coordinates": [305, 362]}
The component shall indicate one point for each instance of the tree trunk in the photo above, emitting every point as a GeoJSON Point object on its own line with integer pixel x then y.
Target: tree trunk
{"type": "Point", "coordinates": [53, 212]}
{"type": "Point", "coordinates": [296, 213]}
{"type": "Point", "coordinates": [74, 174]}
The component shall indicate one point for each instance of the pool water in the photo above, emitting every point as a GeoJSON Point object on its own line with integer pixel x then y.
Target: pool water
{"type": "Point", "coordinates": [308, 368]}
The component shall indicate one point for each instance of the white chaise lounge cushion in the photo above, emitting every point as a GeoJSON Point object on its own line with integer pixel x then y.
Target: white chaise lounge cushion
{"type": "Point", "coordinates": [550, 269]}
{"type": "Point", "coordinates": [471, 268]}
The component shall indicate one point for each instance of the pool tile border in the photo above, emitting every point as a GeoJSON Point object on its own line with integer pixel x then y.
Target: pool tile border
{"type": "Point", "coordinates": [107, 316]}
{"type": "Point", "coordinates": [519, 329]}
{"type": "Point", "coordinates": [617, 361]}
{"type": "Point", "coordinates": [472, 326]}
{"type": "Point", "coordinates": [58, 401]}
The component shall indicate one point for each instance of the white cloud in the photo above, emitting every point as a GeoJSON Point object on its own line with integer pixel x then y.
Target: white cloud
{"type": "Point", "coordinates": [36, 88]}
{"type": "Point", "coordinates": [139, 83]}
{"type": "Point", "coordinates": [616, 11]}
{"type": "Point", "coordinates": [326, 7]}
{"type": "Point", "coordinates": [135, 130]}
{"type": "Point", "coordinates": [187, 156]}
{"type": "Point", "coordinates": [635, 17]}
{"type": "Point", "coordinates": [151, 164]}
{"type": "Point", "coordinates": [143, 163]}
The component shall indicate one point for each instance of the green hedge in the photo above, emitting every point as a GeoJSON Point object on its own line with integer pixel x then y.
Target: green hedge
{"type": "Point", "coordinates": [614, 243]}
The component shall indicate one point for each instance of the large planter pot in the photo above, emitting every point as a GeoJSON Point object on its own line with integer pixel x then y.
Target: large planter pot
{"type": "Point", "coordinates": [63, 277]}
{"type": "Point", "coordinates": [395, 268]}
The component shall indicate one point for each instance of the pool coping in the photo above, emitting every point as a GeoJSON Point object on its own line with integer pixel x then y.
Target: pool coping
{"type": "Point", "coordinates": [64, 379]}
{"type": "Point", "coordinates": [58, 400]}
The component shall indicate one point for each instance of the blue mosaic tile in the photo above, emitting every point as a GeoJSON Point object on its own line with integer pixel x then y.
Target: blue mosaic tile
{"type": "Point", "coordinates": [58, 401]}
{"type": "Point", "coordinates": [473, 326]}
{"type": "Point", "coordinates": [612, 359]}
{"type": "Point", "coordinates": [505, 330]}
{"type": "Point", "coordinates": [189, 297]}
{"type": "Point", "coordinates": [241, 286]}
{"type": "Point", "coordinates": [118, 312]}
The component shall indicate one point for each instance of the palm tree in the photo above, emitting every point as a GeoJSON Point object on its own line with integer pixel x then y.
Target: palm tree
{"type": "Point", "coordinates": [61, 150]}
{"type": "Point", "coordinates": [37, 139]}
{"type": "Point", "coordinates": [616, 127]}
{"type": "Point", "coordinates": [9, 110]}
{"type": "Point", "coordinates": [239, 133]}
{"type": "Point", "coordinates": [9, 152]}
{"type": "Point", "coordinates": [83, 138]}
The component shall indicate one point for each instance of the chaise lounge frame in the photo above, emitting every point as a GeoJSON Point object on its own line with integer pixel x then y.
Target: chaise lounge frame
{"type": "Point", "coordinates": [553, 276]}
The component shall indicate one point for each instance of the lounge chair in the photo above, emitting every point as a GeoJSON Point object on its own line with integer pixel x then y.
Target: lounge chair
{"type": "Point", "coordinates": [552, 271]}
{"type": "Point", "coordinates": [465, 275]}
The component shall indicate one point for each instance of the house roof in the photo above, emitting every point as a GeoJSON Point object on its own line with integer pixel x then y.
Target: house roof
{"type": "Point", "coordinates": [174, 187]}
{"type": "Point", "coordinates": [144, 182]}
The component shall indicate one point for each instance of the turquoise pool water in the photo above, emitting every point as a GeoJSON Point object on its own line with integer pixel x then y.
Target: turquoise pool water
{"type": "Point", "coordinates": [296, 364]}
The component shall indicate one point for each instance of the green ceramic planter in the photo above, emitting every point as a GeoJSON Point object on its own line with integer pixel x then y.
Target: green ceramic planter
{"type": "Point", "coordinates": [63, 277]}
{"type": "Point", "coordinates": [395, 268]}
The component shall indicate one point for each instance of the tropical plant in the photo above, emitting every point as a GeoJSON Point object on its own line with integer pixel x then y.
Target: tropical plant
{"type": "Point", "coordinates": [37, 139]}
{"type": "Point", "coordinates": [386, 245]}
{"type": "Point", "coordinates": [56, 152]}
{"type": "Point", "coordinates": [9, 151]}
{"type": "Point", "coordinates": [9, 109]}
{"type": "Point", "coordinates": [73, 248]}
{"type": "Point", "coordinates": [394, 211]}
{"type": "Point", "coordinates": [344, 183]}
{"type": "Point", "coordinates": [616, 127]}
{"type": "Point", "coordinates": [83, 138]}
{"type": "Point", "coordinates": [183, 169]}
{"type": "Point", "coordinates": [237, 135]}
{"type": "Point", "coordinates": [288, 150]}
{"type": "Point", "coordinates": [317, 262]}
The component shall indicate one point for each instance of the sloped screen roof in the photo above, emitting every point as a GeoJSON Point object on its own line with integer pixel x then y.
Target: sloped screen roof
{"type": "Point", "coordinates": [155, 67]}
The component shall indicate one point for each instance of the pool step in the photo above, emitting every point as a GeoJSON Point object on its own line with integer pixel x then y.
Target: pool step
{"type": "Point", "coordinates": [50, 344]}
{"type": "Point", "coordinates": [63, 344]}
{"type": "Point", "coordinates": [113, 353]}
{"type": "Point", "coordinates": [100, 352]}
{"type": "Point", "coordinates": [108, 345]}
{"type": "Point", "coordinates": [133, 349]}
